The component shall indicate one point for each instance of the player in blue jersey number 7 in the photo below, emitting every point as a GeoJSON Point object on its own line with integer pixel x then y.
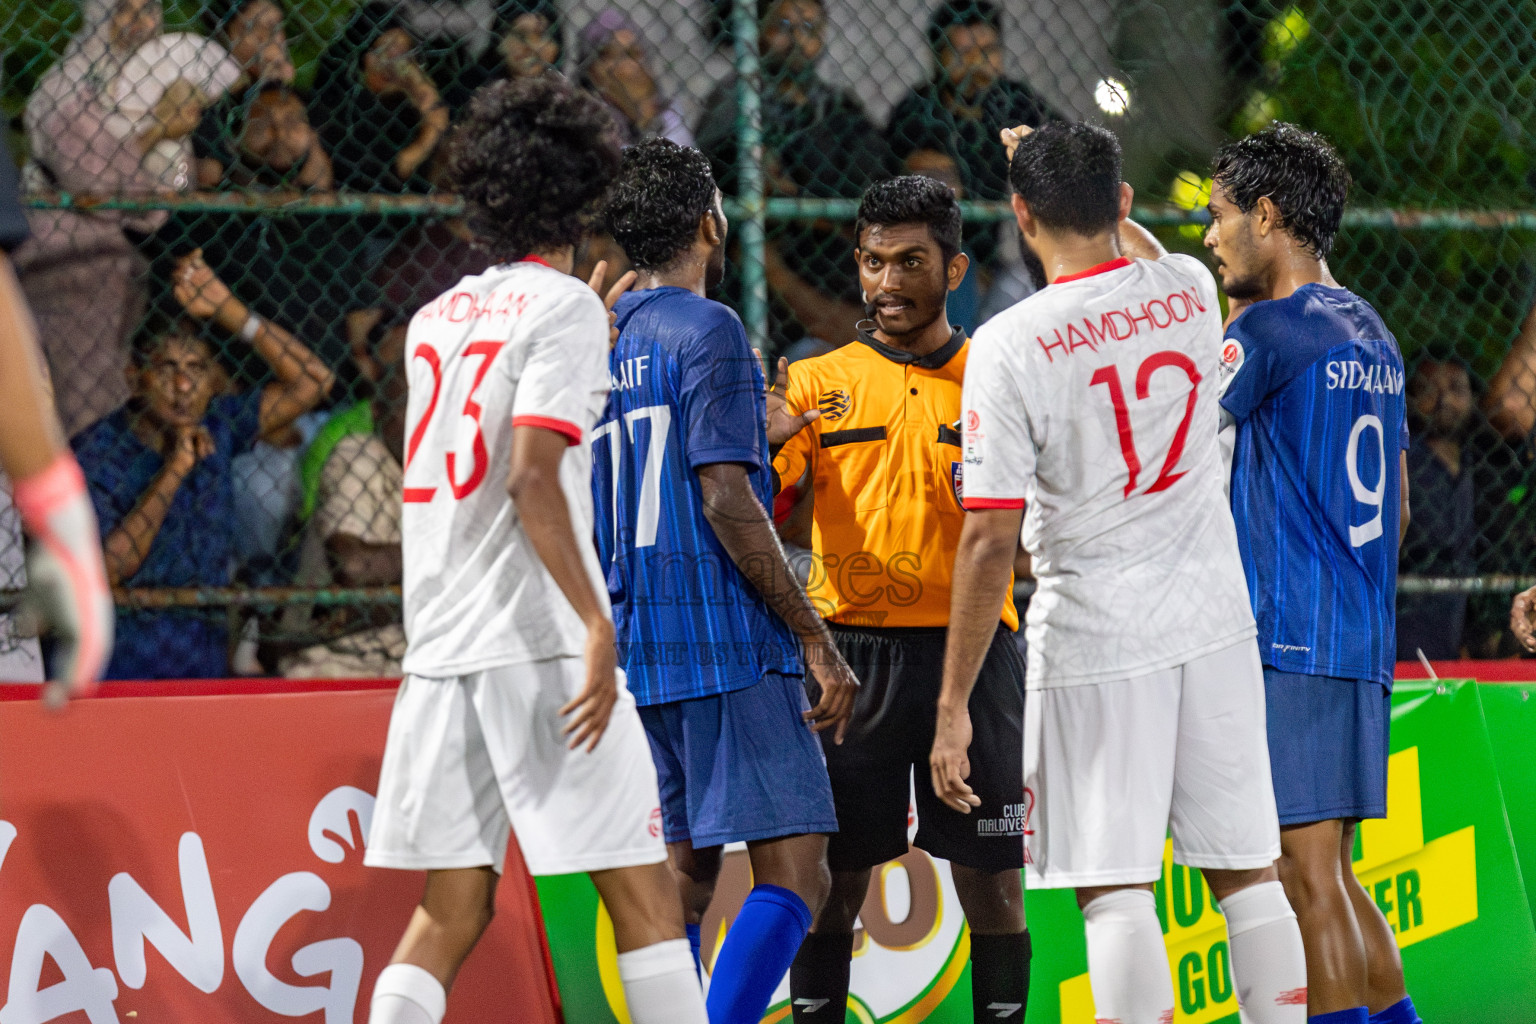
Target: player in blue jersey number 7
{"type": "Point", "coordinates": [710, 618]}
{"type": "Point", "coordinates": [1314, 381]}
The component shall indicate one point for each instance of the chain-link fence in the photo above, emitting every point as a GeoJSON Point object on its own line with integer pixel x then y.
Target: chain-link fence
{"type": "Point", "coordinates": [235, 207]}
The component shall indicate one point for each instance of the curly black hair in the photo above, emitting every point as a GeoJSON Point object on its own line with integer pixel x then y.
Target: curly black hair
{"type": "Point", "coordinates": [913, 199]}
{"type": "Point", "coordinates": [1069, 174]}
{"type": "Point", "coordinates": [1300, 172]}
{"type": "Point", "coordinates": [654, 209]}
{"type": "Point", "coordinates": [532, 159]}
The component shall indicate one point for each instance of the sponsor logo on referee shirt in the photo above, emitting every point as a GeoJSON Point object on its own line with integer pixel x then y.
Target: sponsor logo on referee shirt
{"type": "Point", "coordinates": [835, 404]}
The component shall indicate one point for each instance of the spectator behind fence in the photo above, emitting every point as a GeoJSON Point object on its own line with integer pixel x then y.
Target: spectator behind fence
{"type": "Point", "coordinates": [81, 275]}
{"type": "Point", "coordinates": [614, 63]}
{"type": "Point", "coordinates": [353, 539]}
{"type": "Point", "coordinates": [817, 143]}
{"type": "Point", "coordinates": [959, 110]}
{"type": "Point", "coordinates": [160, 477]}
{"type": "Point", "coordinates": [1442, 532]}
{"type": "Point", "coordinates": [528, 41]}
{"type": "Point", "coordinates": [382, 115]}
{"type": "Point", "coordinates": [257, 41]}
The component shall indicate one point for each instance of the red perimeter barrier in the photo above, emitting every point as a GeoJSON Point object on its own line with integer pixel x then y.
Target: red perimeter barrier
{"type": "Point", "coordinates": [1505, 670]}
{"type": "Point", "coordinates": [199, 858]}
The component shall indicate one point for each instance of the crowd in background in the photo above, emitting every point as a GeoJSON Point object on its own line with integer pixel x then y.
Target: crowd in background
{"type": "Point", "coordinates": [232, 382]}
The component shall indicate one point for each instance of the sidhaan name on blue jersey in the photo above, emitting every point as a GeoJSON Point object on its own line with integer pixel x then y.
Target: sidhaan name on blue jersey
{"type": "Point", "coordinates": [1315, 383]}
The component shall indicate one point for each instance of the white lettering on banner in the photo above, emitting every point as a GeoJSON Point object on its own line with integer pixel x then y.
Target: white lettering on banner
{"type": "Point", "coordinates": [333, 815]}
{"type": "Point", "coordinates": [284, 900]}
{"type": "Point", "coordinates": [1353, 375]}
{"type": "Point", "coordinates": [43, 934]}
{"type": "Point", "coordinates": [198, 954]}
{"type": "Point", "coordinates": [137, 919]}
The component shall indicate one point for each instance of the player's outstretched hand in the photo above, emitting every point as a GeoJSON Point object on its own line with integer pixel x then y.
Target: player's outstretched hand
{"type": "Point", "coordinates": [588, 714]}
{"type": "Point", "coordinates": [1522, 619]}
{"type": "Point", "coordinates": [1011, 137]}
{"type": "Point", "coordinates": [66, 591]}
{"type": "Point", "coordinates": [950, 761]}
{"type": "Point", "coordinates": [783, 424]}
{"type": "Point", "coordinates": [839, 687]}
{"type": "Point", "coordinates": [622, 285]}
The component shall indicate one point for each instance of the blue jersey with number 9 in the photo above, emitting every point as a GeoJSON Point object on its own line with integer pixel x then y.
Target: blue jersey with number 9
{"type": "Point", "coordinates": [687, 392]}
{"type": "Point", "coordinates": [1315, 382]}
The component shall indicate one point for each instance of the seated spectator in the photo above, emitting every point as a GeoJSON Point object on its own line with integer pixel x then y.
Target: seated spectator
{"type": "Point", "coordinates": [817, 142]}
{"type": "Point", "coordinates": [382, 115]}
{"type": "Point", "coordinates": [614, 63]}
{"type": "Point", "coordinates": [528, 38]}
{"type": "Point", "coordinates": [959, 109]}
{"type": "Point", "coordinates": [159, 471]}
{"type": "Point", "coordinates": [353, 539]}
{"type": "Point", "coordinates": [1442, 532]}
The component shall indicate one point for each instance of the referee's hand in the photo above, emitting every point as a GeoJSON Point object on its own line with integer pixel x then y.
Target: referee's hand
{"type": "Point", "coordinates": [950, 763]}
{"type": "Point", "coordinates": [1520, 613]}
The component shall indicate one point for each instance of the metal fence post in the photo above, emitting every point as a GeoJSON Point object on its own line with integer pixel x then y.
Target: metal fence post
{"type": "Point", "coordinates": [749, 156]}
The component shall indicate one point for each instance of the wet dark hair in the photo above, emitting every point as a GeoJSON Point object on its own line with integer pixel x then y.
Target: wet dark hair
{"type": "Point", "coordinates": [157, 329]}
{"type": "Point", "coordinates": [654, 209]}
{"type": "Point", "coordinates": [1069, 174]}
{"type": "Point", "coordinates": [532, 159]}
{"type": "Point", "coordinates": [913, 199]}
{"type": "Point", "coordinates": [1300, 172]}
{"type": "Point", "coordinates": [961, 12]}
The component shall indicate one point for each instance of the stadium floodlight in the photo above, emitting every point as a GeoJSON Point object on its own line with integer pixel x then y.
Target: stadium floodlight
{"type": "Point", "coordinates": [1112, 96]}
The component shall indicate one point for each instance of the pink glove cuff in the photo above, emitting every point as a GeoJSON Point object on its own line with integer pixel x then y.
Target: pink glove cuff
{"type": "Point", "coordinates": [45, 492]}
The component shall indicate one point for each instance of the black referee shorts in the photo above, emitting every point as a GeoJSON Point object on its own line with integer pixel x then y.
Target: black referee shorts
{"type": "Point", "coordinates": [891, 736]}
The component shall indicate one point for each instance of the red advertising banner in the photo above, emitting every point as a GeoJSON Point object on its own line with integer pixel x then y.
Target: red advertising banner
{"type": "Point", "coordinates": [200, 858]}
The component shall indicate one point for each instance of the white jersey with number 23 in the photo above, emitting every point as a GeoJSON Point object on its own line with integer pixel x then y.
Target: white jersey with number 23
{"type": "Point", "coordinates": [1092, 404]}
{"type": "Point", "coordinates": [521, 344]}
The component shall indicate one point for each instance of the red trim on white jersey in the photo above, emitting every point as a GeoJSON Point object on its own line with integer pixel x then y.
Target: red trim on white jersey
{"type": "Point", "coordinates": [978, 503]}
{"type": "Point", "coordinates": [1101, 268]}
{"type": "Point", "coordinates": [570, 431]}
{"type": "Point", "coordinates": [531, 258]}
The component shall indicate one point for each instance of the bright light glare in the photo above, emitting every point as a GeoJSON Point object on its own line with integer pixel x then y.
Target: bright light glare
{"type": "Point", "coordinates": [1112, 96]}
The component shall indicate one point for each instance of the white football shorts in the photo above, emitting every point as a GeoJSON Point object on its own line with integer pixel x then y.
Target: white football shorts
{"type": "Point", "coordinates": [1110, 769]}
{"type": "Point", "coordinates": [470, 758]}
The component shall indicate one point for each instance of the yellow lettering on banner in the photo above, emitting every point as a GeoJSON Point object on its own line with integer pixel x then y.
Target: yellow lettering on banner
{"type": "Point", "coordinates": [1423, 889]}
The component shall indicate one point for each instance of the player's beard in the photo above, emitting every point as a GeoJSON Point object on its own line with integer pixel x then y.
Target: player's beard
{"type": "Point", "coordinates": [714, 271]}
{"type": "Point", "coordinates": [1032, 263]}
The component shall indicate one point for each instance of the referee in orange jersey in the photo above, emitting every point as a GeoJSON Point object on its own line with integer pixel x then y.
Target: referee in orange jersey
{"type": "Point", "coordinates": [884, 460]}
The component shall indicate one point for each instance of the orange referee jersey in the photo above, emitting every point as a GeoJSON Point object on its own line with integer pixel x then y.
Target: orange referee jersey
{"type": "Point", "coordinates": [885, 467]}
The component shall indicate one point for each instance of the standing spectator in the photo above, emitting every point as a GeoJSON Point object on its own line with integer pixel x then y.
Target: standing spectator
{"type": "Point", "coordinates": [817, 142]}
{"type": "Point", "coordinates": [81, 275]}
{"type": "Point", "coordinates": [160, 477]}
{"type": "Point", "coordinates": [383, 115]}
{"type": "Point", "coordinates": [529, 40]}
{"type": "Point", "coordinates": [959, 109]}
{"type": "Point", "coordinates": [614, 64]}
{"type": "Point", "coordinates": [1442, 532]}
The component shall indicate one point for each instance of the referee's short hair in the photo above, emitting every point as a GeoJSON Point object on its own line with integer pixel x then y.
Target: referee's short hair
{"type": "Point", "coordinates": [1069, 174]}
{"type": "Point", "coordinates": [655, 206]}
{"type": "Point", "coordinates": [913, 199]}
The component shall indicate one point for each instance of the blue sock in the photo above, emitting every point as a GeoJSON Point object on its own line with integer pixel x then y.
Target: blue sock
{"type": "Point", "coordinates": [758, 949]}
{"type": "Point", "coordinates": [1401, 1012]}
{"type": "Point", "coordinates": [1359, 1015]}
{"type": "Point", "coordinates": [693, 944]}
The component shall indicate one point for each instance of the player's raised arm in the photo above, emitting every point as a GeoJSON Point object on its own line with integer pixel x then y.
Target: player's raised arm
{"type": "Point", "coordinates": [302, 379]}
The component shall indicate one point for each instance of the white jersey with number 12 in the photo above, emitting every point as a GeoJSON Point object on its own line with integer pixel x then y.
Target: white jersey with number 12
{"type": "Point", "coordinates": [521, 344]}
{"type": "Point", "coordinates": [1092, 404]}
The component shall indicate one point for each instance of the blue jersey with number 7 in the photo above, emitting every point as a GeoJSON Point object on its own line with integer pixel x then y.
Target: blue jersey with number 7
{"type": "Point", "coordinates": [1315, 382]}
{"type": "Point", "coordinates": [687, 392]}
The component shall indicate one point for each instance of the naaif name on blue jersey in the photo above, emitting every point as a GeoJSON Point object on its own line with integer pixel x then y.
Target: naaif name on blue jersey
{"type": "Point", "coordinates": [631, 373]}
{"type": "Point", "coordinates": [1357, 376]}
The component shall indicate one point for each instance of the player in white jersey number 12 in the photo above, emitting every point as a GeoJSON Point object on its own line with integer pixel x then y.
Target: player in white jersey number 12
{"type": "Point", "coordinates": [512, 715]}
{"type": "Point", "coordinates": [1090, 420]}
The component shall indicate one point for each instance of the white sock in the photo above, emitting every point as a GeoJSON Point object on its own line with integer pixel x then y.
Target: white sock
{"type": "Point", "coordinates": [1269, 965]}
{"type": "Point", "coordinates": [407, 994]}
{"type": "Point", "coordinates": [661, 984]}
{"type": "Point", "coordinates": [1127, 961]}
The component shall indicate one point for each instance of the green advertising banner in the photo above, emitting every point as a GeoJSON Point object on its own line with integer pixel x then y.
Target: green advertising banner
{"type": "Point", "coordinates": [1442, 867]}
